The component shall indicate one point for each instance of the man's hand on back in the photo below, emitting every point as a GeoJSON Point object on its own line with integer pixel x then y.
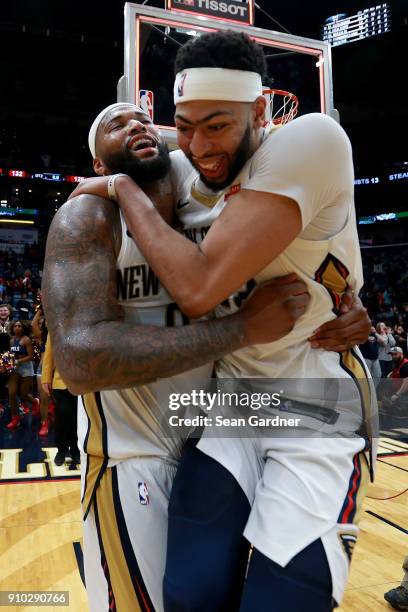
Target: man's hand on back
{"type": "Point", "coordinates": [347, 330]}
{"type": "Point", "coordinates": [273, 309]}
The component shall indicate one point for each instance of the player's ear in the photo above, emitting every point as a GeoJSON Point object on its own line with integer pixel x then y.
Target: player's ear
{"type": "Point", "coordinates": [259, 107]}
{"type": "Point", "coordinates": [99, 167]}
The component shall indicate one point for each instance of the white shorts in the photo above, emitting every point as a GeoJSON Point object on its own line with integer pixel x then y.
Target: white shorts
{"type": "Point", "coordinates": [310, 488]}
{"type": "Point", "coordinates": [125, 536]}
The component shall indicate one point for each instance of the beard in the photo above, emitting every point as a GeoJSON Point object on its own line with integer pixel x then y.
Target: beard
{"type": "Point", "coordinates": [140, 170]}
{"type": "Point", "coordinates": [242, 154]}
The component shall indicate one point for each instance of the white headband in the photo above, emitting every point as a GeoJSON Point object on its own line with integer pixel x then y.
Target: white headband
{"type": "Point", "coordinates": [95, 124]}
{"type": "Point", "coordinates": [217, 84]}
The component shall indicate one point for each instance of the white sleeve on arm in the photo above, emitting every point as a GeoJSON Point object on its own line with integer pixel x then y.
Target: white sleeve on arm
{"type": "Point", "coordinates": [181, 169]}
{"type": "Point", "coordinates": [310, 161]}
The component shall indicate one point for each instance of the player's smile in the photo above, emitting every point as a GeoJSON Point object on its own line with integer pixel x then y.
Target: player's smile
{"type": "Point", "coordinates": [212, 167]}
{"type": "Point", "coordinates": [143, 145]}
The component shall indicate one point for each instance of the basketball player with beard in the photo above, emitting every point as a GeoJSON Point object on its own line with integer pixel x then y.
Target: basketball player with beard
{"type": "Point", "coordinates": [117, 133]}
{"type": "Point", "coordinates": [121, 342]}
{"type": "Point", "coordinates": [276, 201]}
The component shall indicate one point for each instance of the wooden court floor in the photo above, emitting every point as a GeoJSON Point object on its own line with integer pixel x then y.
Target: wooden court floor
{"type": "Point", "coordinates": [41, 538]}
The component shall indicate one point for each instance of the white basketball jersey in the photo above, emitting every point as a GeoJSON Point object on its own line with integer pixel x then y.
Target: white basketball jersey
{"type": "Point", "coordinates": [306, 480]}
{"type": "Point", "coordinates": [327, 267]}
{"type": "Point", "coordinates": [118, 424]}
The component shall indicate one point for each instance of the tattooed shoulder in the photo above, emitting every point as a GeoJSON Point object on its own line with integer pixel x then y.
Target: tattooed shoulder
{"type": "Point", "coordinates": [79, 222]}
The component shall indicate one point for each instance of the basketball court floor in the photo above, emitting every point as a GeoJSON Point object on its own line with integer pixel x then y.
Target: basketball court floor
{"type": "Point", "coordinates": [41, 530]}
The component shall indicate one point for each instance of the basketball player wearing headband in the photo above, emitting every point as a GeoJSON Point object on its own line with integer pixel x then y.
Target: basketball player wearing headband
{"type": "Point", "coordinates": [277, 201]}
{"type": "Point", "coordinates": [129, 456]}
{"type": "Point", "coordinates": [107, 314]}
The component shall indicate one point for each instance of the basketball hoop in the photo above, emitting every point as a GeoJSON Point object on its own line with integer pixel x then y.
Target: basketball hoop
{"type": "Point", "coordinates": [282, 106]}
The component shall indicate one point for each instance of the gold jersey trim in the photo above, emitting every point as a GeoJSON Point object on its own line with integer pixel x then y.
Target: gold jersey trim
{"type": "Point", "coordinates": [208, 201]}
{"type": "Point", "coordinates": [95, 447]}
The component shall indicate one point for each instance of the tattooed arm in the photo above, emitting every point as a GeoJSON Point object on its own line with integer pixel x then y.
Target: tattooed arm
{"type": "Point", "coordinates": [87, 324]}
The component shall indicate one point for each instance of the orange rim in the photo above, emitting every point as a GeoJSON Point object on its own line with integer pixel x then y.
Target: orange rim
{"type": "Point", "coordinates": [289, 105]}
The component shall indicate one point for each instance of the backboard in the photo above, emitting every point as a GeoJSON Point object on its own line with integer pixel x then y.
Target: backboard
{"type": "Point", "coordinates": [153, 36]}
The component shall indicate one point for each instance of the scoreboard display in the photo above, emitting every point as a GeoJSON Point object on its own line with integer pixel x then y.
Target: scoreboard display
{"type": "Point", "coordinates": [341, 29]}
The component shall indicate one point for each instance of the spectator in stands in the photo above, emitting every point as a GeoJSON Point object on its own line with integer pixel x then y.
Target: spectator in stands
{"type": "Point", "coordinates": [37, 295]}
{"type": "Point", "coordinates": [386, 342]}
{"type": "Point", "coordinates": [388, 297]}
{"type": "Point", "coordinates": [20, 382]}
{"type": "Point", "coordinates": [27, 280]}
{"type": "Point", "coordinates": [19, 271]}
{"type": "Point", "coordinates": [8, 272]}
{"type": "Point", "coordinates": [66, 409]}
{"type": "Point", "coordinates": [394, 391]}
{"type": "Point", "coordinates": [399, 374]}
{"type": "Point", "coordinates": [369, 300]}
{"type": "Point", "coordinates": [370, 351]}
{"type": "Point", "coordinates": [23, 307]}
{"type": "Point", "coordinates": [386, 285]}
{"type": "Point", "coordinates": [395, 315]}
{"type": "Point", "coordinates": [400, 337]}
{"type": "Point", "coordinates": [7, 299]}
{"type": "Point", "coordinates": [6, 312]}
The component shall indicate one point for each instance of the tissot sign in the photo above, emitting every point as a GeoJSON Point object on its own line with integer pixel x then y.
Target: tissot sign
{"type": "Point", "coordinates": [231, 10]}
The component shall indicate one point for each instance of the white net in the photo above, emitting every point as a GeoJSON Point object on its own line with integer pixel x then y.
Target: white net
{"type": "Point", "coordinates": [282, 106]}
